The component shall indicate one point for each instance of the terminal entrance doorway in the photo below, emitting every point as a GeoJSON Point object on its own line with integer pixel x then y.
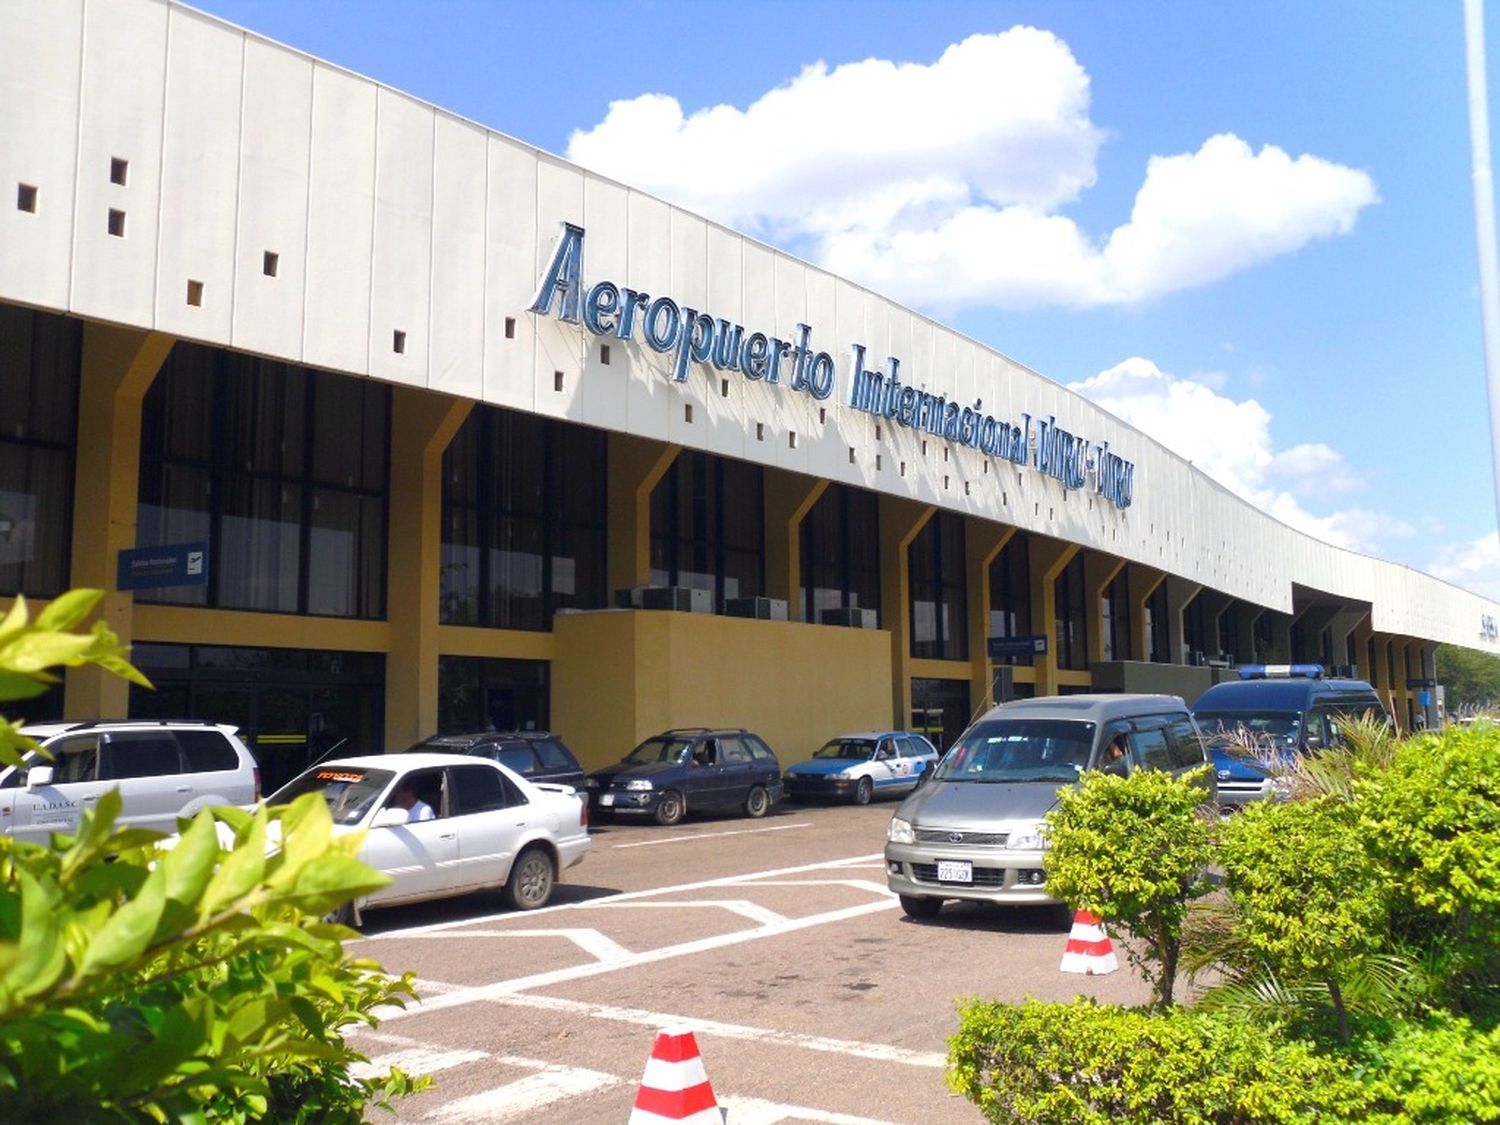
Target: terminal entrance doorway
{"type": "Point", "coordinates": [939, 710]}
{"type": "Point", "coordinates": [293, 707]}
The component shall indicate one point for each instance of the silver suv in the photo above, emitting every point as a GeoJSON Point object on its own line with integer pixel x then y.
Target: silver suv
{"type": "Point", "coordinates": [163, 770]}
{"type": "Point", "coordinates": [973, 829]}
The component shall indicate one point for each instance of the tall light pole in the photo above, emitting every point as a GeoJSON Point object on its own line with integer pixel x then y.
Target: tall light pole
{"type": "Point", "coordinates": [1484, 223]}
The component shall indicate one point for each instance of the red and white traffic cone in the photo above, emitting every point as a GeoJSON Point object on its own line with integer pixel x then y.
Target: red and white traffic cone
{"type": "Point", "coordinates": [676, 1087]}
{"type": "Point", "coordinates": [1089, 950]}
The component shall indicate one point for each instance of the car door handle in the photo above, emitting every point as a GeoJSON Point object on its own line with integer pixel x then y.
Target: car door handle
{"type": "Point", "coordinates": [446, 836]}
{"type": "Point", "coordinates": [184, 789]}
{"type": "Point", "coordinates": [91, 799]}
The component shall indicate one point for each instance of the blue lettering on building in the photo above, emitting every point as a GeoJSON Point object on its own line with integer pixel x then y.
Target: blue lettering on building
{"type": "Point", "coordinates": [691, 336]}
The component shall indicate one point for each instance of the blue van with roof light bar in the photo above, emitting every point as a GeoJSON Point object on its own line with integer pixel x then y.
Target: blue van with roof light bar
{"type": "Point", "coordinates": [1269, 716]}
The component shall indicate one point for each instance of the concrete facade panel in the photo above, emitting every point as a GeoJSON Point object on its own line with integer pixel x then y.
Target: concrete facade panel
{"type": "Point", "coordinates": [340, 222]}
{"type": "Point", "coordinates": [38, 150]}
{"type": "Point", "coordinates": [270, 268]}
{"type": "Point", "coordinates": [119, 119]}
{"type": "Point", "coordinates": [401, 251]}
{"type": "Point", "coordinates": [200, 180]}
{"type": "Point", "coordinates": [513, 246]}
{"type": "Point", "coordinates": [458, 325]}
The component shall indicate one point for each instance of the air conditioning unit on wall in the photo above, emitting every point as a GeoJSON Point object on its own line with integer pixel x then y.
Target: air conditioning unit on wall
{"type": "Point", "coordinates": [857, 618]}
{"type": "Point", "coordinates": [764, 609]}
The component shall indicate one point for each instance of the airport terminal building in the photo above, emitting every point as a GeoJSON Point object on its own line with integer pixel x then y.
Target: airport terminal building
{"type": "Point", "coordinates": [374, 422]}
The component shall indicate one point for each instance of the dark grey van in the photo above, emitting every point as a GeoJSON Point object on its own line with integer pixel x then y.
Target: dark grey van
{"type": "Point", "coordinates": [974, 830]}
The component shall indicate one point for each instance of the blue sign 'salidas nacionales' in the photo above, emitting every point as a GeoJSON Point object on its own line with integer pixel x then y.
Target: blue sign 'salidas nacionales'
{"type": "Point", "coordinates": [692, 336]}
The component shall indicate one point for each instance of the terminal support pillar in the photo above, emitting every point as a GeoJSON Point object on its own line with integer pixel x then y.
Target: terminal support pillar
{"type": "Point", "coordinates": [983, 542]}
{"type": "Point", "coordinates": [1048, 557]}
{"type": "Point", "coordinates": [1141, 582]}
{"type": "Point", "coordinates": [1281, 638]}
{"type": "Point", "coordinates": [1180, 592]}
{"type": "Point", "coordinates": [1343, 625]}
{"type": "Point", "coordinates": [422, 426]}
{"type": "Point", "coordinates": [119, 366]}
{"type": "Point", "coordinates": [1099, 570]}
{"type": "Point", "coordinates": [788, 498]}
{"type": "Point", "coordinates": [1214, 605]}
{"type": "Point", "coordinates": [1364, 667]}
{"type": "Point", "coordinates": [635, 466]}
{"type": "Point", "coordinates": [1381, 677]}
{"type": "Point", "coordinates": [1246, 614]}
{"type": "Point", "coordinates": [900, 522]}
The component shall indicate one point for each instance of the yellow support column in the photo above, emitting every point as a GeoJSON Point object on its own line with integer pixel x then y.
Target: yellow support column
{"type": "Point", "coordinates": [422, 425]}
{"type": "Point", "coordinates": [788, 498]}
{"type": "Point", "coordinates": [983, 542]}
{"type": "Point", "coordinates": [900, 522]}
{"type": "Point", "coordinates": [119, 365]}
{"type": "Point", "coordinates": [1049, 557]}
{"type": "Point", "coordinates": [635, 466]}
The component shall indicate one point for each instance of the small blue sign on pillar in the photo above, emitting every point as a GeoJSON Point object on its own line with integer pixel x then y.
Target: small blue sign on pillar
{"type": "Point", "coordinates": [173, 564]}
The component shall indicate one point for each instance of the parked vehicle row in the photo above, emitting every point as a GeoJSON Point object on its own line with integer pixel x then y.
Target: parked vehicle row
{"type": "Point", "coordinates": [510, 810]}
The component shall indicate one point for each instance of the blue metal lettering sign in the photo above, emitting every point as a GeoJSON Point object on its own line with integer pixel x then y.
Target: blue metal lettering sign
{"type": "Point", "coordinates": [1017, 646]}
{"type": "Point", "coordinates": [174, 564]}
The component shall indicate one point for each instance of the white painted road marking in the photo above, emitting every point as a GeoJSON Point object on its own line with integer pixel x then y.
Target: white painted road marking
{"type": "Point", "coordinates": [754, 1111]}
{"type": "Point", "coordinates": [523, 1098]}
{"type": "Point", "coordinates": [416, 1059]}
{"type": "Point", "coordinates": [667, 953]}
{"type": "Point", "coordinates": [592, 942]}
{"type": "Point", "coordinates": [626, 896]}
{"type": "Point", "coordinates": [743, 907]}
{"type": "Point", "coordinates": [880, 1052]}
{"type": "Point", "coordinates": [712, 835]}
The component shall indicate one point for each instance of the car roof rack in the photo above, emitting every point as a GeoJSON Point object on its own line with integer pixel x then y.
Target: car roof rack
{"type": "Point", "coordinates": [90, 724]}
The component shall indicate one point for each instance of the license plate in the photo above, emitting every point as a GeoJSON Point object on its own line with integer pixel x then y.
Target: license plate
{"type": "Point", "coordinates": [955, 871]}
{"type": "Point", "coordinates": [606, 798]}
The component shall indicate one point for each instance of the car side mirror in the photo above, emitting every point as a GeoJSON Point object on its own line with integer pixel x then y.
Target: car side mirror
{"type": "Point", "coordinates": [389, 818]}
{"type": "Point", "coordinates": [37, 776]}
{"type": "Point", "coordinates": [1313, 742]}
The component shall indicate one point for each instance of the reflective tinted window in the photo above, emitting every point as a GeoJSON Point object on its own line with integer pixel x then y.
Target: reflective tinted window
{"type": "Point", "coordinates": [517, 757]}
{"type": "Point", "coordinates": [759, 750]}
{"type": "Point", "coordinates": [1002, 750]}
{"type": "Point", "coordinates": [474, 789]}
{"type": "Point", "coordinates": [207, 751]}
{"type": "Point", "coordinates": [553, 756]}
{"type": "Point", "coordinates": [128, 754]}
{"type": "Point", "coordinates": [733, 751]}
{"type": "Point", "coordinates": [1186, 746]}
{"type": "Point", "coordinates": [1152, 748]}
{"type": "Point", "coordinates": [349, 793]}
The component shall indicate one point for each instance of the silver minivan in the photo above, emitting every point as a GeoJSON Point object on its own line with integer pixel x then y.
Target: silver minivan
{"type": "Point", "coordinates": [163, 770]}
{"type": "Point", "coordinates": [973, 830]}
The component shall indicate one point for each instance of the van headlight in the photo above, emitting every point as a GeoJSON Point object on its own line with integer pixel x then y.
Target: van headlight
{"type": "Point", "coordinates": [900, 832]}
{"type": "Point", "coordinates": [1027, 839]}
{"type": "Point", "coordinates": [639, 783]}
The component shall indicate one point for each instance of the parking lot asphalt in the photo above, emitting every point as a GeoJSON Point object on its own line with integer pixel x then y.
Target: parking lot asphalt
{"type": "Point", "coordinates": [810, 995]}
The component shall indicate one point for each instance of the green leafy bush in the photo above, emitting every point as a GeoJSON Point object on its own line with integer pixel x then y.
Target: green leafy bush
{"type": "Point", "coordinates": [1133, 850]}
{"type": "Point", "coordinates": [1309, 899]}
{"type": "Point", "coordinates": [1439, 1071]}
{"type": "Point", "coordinates": [192, 983]}
{"type": "Point", "coordinates": [1093, 1064]}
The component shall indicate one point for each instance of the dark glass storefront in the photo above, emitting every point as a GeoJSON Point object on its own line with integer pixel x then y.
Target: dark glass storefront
{"type": "Point", "coordinates": [280, 469]}
{"type": "Point", "coordinates": [708, 527]}
{"type": "Point", "coordinates": [524, 521]}
{"type": "Point", "coordinates": [939, 709]}
{"type": "Point", "coordinates": [292, 706]}
{"type": "Point", "coordinates": [40, 361]}
{"type": "Point", "coordinates": [476, 694]}
{"type": "Point", "coordinates": [841, 552]}
{"type": "Point", "coordinates": [939, 594]}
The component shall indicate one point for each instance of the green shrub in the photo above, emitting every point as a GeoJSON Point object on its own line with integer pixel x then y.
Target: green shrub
{"type": "Point", "coordinates": [1093, 1064]}
{"type": "Point", "coordinates": [1309, 900]}
{"type": "Point", "coordinates": [1439, 1071]}
{"type": "Point", "coordinates": [1132, 850]}
{"type": "Point", "coordinates": [139, 984]}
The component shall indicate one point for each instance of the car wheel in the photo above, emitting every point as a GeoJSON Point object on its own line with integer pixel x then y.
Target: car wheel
{"type": "Point", "coordinates": [864, 791]}
{"type": "Point", "coordinates": [757, 803]}
{"type": "Point", "coordinates": [531, 880]}
{"type": "Point", "coordinates": [345, 916]}
{"type": "Point", "coordinates": [918, 906]}
{"type": "Point", "coordinates": [671, 808]}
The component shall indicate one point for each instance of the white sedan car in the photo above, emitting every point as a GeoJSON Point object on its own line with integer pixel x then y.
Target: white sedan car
{"type": "Point", "coordinates": [471, 825]}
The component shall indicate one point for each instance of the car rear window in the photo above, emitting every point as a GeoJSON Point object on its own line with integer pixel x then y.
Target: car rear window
{"type": "Point", "coordinates": [474, 789]}
{"type": "Point", "coordinates": [207, 751]}
{"type": "Point", "coordinates": [759, 750]}
{"type": "Point", "coordinates": [518, 758]}
{"type": "Point", "coordinates": [553, 756]}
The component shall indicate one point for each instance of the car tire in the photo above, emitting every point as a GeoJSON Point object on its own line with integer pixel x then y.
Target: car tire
{"type": "Point", "coordinates": [345, 916]}
{"type": "Point", "coordinates": [532, 878]}
{"type": "Point", "coordinates": [919, 906]}
{"type": "Point", "coordinates": [671, 808]}
{"type": "Point", "coordinates": [758, 802]}
{"type": "Point", "coordinates": [864, 791]}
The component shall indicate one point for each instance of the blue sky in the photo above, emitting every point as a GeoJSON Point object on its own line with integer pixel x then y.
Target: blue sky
{"type": "Point", "coordinates": [1248, 229]}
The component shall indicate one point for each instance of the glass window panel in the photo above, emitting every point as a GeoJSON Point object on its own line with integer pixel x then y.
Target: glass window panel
{"type": "Point", "coordinates": [339, 413]}
{"type": "Point", "coordinates": [36, 487]}
{"type": "Point", "coordinates": [260, 542]}
{"type": "Point", "coordinates": [334, 554]}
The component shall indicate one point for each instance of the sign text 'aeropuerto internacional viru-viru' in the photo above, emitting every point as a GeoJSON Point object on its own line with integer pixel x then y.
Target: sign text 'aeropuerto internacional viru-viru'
{"type": "Point", "coordinates": [692, 336]}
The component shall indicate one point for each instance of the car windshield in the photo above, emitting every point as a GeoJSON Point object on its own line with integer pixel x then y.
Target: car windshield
{"type": "Point", "coordinates": [859, 749]}
{"type": "Point", "coordinates": [1282, 726]}
{"type": "Point", "coordinates": [1011, 750]}
{"type": "Point", "coordinates": [349, 792]}
{"type": "Point", "coordinates": [658, 750]}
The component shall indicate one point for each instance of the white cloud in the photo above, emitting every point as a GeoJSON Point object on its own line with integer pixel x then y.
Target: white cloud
{"type": "Point", "coordinates": [1231, 442]}
{"type": "Point", "coordinates": [1474, 566]}
{"type": "Point", "coordinates": [940, 185]}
